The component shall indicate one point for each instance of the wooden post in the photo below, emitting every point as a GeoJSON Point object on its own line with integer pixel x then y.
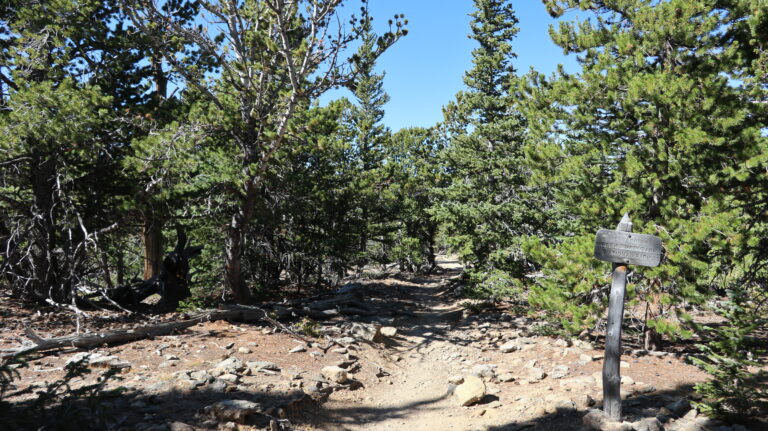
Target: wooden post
{"type": "Point", "coordinates": [611, 364]}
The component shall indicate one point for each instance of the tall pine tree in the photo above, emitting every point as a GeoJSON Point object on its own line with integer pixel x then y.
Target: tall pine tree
{"type": "Point", "coordinates": [486, 208]}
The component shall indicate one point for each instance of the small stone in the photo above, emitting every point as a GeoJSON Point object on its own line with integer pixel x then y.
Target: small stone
{"type": "Point", "coordinates": [583, 401]}
{"type": "Point", "coordinates": [624, 364]}
{"type": "Point", "coordinates": [456, 380]}
{"type": "Point", "coordinates": [559, 371]}
{"type": "Point", "coordinates": [298, 349]}
{"type": "Point", "coordinates": [180, 426]}
{"type": "Point", "coordinates": [229, 345]}
{"type": "Point", "coordinates": [389, 331]}
{"type": "Point", "coordinates": [647, 424]}
{"type": "Point", "coordinates": [506, 377]}
{"type": "Point", "coordinates": [230, 365]}
{"type": "Point", "coordinates": [597, 420]}
{"type": "Point", "coordinates": [626, 380]}
{"type": "Point", "coordinates": [244, 350]}
{"type": "Point", "coordinates": [536, 373]}
{"type": "Point", "coordinates": [679, 407]}
{"type": "Point", "coordinates": [335, 374]}
{"type": "Point", "coordinates": [470, 392]}
{"type": "Point", "coordinates": [585, 359]}
{"type": "Point", "coordinates": [340, 350]}
{"type": "Point", "coordinates": [235, 410]}
{"type": "Point", "coordinates": [484, 371]}
{"type": "Point", "coordinates": [230, 378]}
{"type": "Point", "coordinates": [509, 347]}
{"type": "Point", "coordinates": [262, 365]}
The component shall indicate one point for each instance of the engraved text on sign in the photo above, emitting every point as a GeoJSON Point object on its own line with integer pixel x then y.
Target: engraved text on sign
{"type": "Point", "coordinates": [628, 248]}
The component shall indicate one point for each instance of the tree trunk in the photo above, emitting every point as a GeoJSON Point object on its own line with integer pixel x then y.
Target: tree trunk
{"type": "Point", "coordinates": [44, 282]}
{"type": "Point", "coordinates": [152, 239]}
{"type": "Point", "coordinates": [234, 246]}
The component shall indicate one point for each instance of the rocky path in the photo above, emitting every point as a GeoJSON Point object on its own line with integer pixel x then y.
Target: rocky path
{"type": "Point", "coordinates": [435, 366]}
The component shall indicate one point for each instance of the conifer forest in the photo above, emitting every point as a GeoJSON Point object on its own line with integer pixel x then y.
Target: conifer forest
{"type": "Point", "coordinates": [164, 159]}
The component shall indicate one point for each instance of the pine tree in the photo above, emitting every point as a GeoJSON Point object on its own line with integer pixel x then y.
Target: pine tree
{"type": "Point", "coordinates": [275, 57]}
{"type": "Point", "coordinates": [486, 209]}
{"type": "Point", "coordinates": [650, 126]}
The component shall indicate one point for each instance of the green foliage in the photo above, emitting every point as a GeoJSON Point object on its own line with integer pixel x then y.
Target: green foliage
{"type": "Point", "coordinates": [487, 207]}
{"type": "Point", "coordinates": [651, 126]}
{"type": "Point", "coordinates": [735, 360]}
{"type": "Point", "coordinates": [308, 327]}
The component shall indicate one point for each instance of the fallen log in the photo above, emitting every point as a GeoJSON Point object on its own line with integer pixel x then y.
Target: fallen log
{"type": "Point", "coordinates": [239, 313]}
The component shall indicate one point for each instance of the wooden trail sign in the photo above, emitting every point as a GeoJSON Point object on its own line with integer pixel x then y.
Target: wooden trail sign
{"type": "Point", "coordinates": [622, 247]}
{"type": "Point", "coordinates": [628, 248]}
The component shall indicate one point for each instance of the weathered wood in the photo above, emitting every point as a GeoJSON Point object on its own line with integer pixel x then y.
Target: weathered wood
{"type": "Point", "coordinates": [628, 248]}
{"type": "Point", "coordinates": [353, 299]}
{"type": "Point", "coordinates": [611, 365]}
{"type": "Point", "coordinates": [86, 341]}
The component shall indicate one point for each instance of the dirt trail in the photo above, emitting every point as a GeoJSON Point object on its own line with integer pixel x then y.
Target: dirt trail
{"type": "Point", "coordinates": [540, 382]}
{"type": "Point", "coordinates": [543, 384]}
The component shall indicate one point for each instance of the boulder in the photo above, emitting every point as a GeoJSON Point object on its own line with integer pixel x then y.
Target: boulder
{"type": "Point", "coordinates": [470, 392]}
{"type": "Point", "coordinates": [235, 410]}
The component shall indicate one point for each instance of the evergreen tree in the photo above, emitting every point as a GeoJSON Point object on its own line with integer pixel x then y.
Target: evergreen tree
{"type": "Point", "coordinates": [650, 126]}
{"type": "Point", "coordinates": [486, 208]}
{"type": "Point", "coordinates": [275, 57]}
{"type": "Point", "coordinates": [411, 158]}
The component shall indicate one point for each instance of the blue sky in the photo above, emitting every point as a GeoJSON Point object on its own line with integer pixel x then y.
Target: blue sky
{"type": "Point", "coordinates": [424, 70]}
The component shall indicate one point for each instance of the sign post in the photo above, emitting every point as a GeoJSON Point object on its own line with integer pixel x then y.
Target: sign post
{"type": "Point", "coordinates": [622, 247]}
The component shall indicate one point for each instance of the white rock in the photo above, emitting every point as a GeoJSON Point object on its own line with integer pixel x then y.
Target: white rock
{"type": "Point", "coordinates": [335, 374]}
{"type": "Point", "coordinates": [509, 347]}
{"type": "Point", "coordinates": [388, 331]}
{"type": "Point", "coordinates": [470, 392]}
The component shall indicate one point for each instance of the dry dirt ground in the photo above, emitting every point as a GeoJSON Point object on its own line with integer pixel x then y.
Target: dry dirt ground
{"type": "Point", "coordinates": [404, 382]}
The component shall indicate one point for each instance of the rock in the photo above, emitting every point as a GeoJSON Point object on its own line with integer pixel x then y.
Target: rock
{"type": "Point", "coordinates": [626, 380]}
{"type": "Point", "coordinates": [624, 364]}
{"type": "Point", "coordinates": [584, 359]}
{"type": "Point", "coordinates": [217, 386]}
{"type": "Point", "coordinates": [388, 331]}
{"type": "Point", "coordinates": [647, 424]}
{"type": "Point", "coordinates": [180, 426]}
{"type": "Point", "coordinates": [244, 350]}
{"type": "Point", "coordinates": [509, 347]}
{"type": "Point", "coordinates": [484, 371]}
{"type": "Point", "coordinates": [597, 420]}
{"type": "Point", "coordinates": [506, 377]}
{"type": "Point", "coordinates": [97, 360]}
{"type": "Point", "coordinates": [536, 373]}
{"type": "Point", "coordinates": [456, 380]}
{"type": "Point", "coordinates": [263, 365]}
{"type": "Point", "coordinates": [230, 378]}
{"type": "Point", "coordinates": [229, 345]}
{"type": "Point", "coordinates": [642, 388]}
{"type": "Point", "coordinates": [679, 407]}
{"type": "Point", "coordinates": [298, 349]}
{"type": "Point", "coordinates": [583, 401]}
{"type": "Point", "coordinates": [340, 350]}
{"type": "Point", "coordinates": [230, 365]}
{"type": "Point", "coordinates": [559, 371]}
{"type": "Point", "coordinates": [335, 374]}
{"type": "Point", "coordinates": [470, 392]}
{"type": "Point", "coordinates": [235, 410]}
{"type": "Point", "coordinates": [366, 332]}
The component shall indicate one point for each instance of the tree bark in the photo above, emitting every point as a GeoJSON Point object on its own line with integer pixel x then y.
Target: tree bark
{"type": "Point", "coordinates": [44, 283]}
{"type": "Point", "coordinates": [152, 240]}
